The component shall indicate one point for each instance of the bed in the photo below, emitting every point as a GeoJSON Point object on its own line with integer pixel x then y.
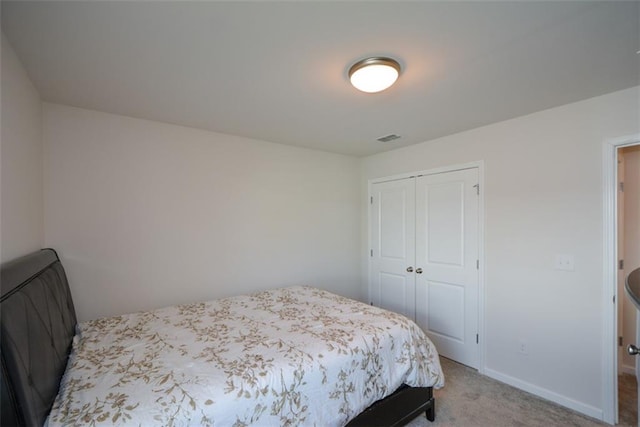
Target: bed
{"type": "Point", "coordinates": [288, 356]}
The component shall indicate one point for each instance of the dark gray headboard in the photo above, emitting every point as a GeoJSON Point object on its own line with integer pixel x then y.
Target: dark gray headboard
{"type": "Point", "coordinates": [38, 325]}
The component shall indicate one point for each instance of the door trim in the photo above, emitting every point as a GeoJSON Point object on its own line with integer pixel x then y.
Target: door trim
{"type": "Point", "coordinates": [481, 249]}
{"type": "Point", "coordinates": [610, 297]}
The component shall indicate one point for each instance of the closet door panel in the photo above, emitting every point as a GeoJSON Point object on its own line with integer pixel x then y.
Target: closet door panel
{"type": "Point", "coordinates": [393, 246]}
{"type": "Point", "coordinates": [447, 256]}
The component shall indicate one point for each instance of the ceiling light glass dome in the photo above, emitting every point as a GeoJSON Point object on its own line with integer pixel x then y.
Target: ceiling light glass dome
{"type": "Point", "coordinates": [373, 75]}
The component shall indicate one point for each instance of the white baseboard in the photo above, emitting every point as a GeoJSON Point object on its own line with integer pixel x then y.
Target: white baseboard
{"type": "Point", "coordinates": [583, 408]}
{"type": "Point", "coordinates": [631, 370]}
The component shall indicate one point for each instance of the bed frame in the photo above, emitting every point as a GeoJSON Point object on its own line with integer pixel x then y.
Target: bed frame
{"type": "Point", "coordinates": [38, 326]}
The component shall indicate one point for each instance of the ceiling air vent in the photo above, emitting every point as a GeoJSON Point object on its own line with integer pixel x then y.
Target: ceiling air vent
{"type": "Point", "coordinates": [388, 138]}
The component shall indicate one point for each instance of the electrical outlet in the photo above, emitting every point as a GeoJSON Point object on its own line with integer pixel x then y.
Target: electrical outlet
{"type": "Point", "coordinates": [522, 347]}
{"type": "Point", "coordinates": [565, 262]}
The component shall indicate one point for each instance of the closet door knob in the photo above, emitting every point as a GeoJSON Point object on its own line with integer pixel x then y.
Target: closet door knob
{"type": "Point", "coordinates": [419, 270]}
{"type": "Point", "coordinates": [409, 269]}
{"type": "Point", "coordinates": [632, 350]}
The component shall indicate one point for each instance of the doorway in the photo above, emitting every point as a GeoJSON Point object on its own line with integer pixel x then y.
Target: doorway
{"type": "Point", "coordinates": [628, 218]}
{"type": "Point", "coordinates": [614, 222]}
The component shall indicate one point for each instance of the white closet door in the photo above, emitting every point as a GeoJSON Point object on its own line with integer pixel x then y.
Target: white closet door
{"type": "Point", "coordinates": [447, 254]}
{"type": "Point", "coordinates": [393, 246]}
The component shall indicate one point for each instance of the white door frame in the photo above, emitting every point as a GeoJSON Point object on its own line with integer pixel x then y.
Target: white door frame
{"type": "Point", "coordinates": [481, 271]}
{"type": "Point", "coordinates": [611, 298]}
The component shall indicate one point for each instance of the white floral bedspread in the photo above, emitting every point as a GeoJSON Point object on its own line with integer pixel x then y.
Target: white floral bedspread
{"type": "Point", "coordinates": [290, 356]}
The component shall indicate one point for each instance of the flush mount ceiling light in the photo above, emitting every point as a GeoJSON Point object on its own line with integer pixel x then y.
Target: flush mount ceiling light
{"type": "Point", "coordinates": [373, 75]}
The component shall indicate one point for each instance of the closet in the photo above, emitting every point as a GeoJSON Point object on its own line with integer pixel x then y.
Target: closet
{"type": "Point", "coordinates": [425, 257]}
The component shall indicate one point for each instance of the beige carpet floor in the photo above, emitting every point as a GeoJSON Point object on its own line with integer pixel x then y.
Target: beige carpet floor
{"type": "Point", "coordinates": [470, 399]}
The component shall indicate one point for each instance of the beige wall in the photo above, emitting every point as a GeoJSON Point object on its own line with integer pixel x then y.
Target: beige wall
{"type": "Point", "coordinates": [631, 246]}
{"type": "Point", "coordinates": [632, 208]}
{"type": "Point", "coordinates": [21, 213]}
{"type": "Point", "coordinates": [147, 214]}
{"type": "Point", "coordinates": [543, 196]}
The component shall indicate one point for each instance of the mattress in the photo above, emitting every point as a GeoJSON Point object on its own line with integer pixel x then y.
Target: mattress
{"type": "Point", "coordinates": [288, 356]}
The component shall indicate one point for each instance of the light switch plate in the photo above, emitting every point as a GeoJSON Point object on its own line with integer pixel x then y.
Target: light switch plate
{"type": "Point", "coordinates": [565, 262]}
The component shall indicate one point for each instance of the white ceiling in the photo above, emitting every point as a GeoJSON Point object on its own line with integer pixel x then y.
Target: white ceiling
{"type": "Point", "coordinates": [277, 71]}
